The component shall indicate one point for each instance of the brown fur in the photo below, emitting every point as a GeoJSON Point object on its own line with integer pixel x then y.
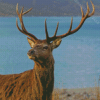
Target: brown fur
{"type": "Point", "coordinates": [35, 84]}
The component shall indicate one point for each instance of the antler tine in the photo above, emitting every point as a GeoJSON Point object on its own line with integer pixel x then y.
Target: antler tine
{"type": "Point", "coordinates": [23, 30]}
{"type": "Point", "coordinates": [84, 17]}
{"type": "Point", "coordinates": [27, 11]}
{"type": "Point", "coordinates": [69, 31]}
{"type": "Point", "coordinates": [71, 24]}
{"type": "Point", "coordinates": [82, 12]}
{"type": "Point", "coordinates": [46, 31]}
{"type": "Point", "coordinates": [18, 26]}
{"type": "Point", "coordinates": [93, 9]}
{"type": "Point", "coordinates": [56, 29]}
{"type": "Point", "coordinates": [88, 11]}
{"type": "Point", "coordinates": [64, 35]}
{"type": "Point", "coordinates": [17, 9]}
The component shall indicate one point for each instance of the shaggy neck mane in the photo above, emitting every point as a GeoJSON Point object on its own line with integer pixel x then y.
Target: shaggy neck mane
{"type": "Point", "coordinates": [44, 78]}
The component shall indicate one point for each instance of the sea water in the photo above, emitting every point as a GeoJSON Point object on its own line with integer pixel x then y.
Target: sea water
{"type": "Point", "coordinates": [77, 59]}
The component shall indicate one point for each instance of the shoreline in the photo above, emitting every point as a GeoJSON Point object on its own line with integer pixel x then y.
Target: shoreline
{"type": "Point", "coordinates": [89, 93]}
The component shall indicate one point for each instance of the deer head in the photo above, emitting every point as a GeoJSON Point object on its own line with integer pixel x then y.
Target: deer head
{"type": "Point", "coordinates": [42, 49]}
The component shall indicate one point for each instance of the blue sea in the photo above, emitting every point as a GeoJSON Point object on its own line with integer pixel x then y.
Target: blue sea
{"type": "Point", "coordinates": [77, 59]}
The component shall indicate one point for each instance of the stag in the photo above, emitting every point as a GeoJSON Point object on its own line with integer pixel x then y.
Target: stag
{"type": "Point", "coordinates": [38, 83]}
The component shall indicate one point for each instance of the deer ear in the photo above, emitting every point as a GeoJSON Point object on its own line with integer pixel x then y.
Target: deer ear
{"type": "Point", "coordinates": [31, 42]}
{"type": "Point", "coordinates": [56, 43]}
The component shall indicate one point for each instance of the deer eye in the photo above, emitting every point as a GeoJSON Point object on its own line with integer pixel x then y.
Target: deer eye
{"type": "Point", "coordinates": [46, 47]}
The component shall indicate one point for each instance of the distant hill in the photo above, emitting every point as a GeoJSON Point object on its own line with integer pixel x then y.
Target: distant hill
{"type": "Point", "coordinates": [47, 7]}
{"type": "Point", "coordinates": [8, 9]}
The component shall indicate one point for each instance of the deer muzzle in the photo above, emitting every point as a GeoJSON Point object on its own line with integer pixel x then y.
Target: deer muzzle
{"type": "Point", "coordinates": [31, 54]}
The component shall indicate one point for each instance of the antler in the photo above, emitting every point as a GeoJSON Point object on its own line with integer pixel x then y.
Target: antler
{"type": "Point", "coordinates": [84, 17]}
{"type": "Point", "coordinates": [48, 39]}
{"type": "Point", "coordinates": [23, 30]}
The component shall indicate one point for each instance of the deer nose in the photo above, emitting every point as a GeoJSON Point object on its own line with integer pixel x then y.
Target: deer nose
{"type": "Point", "coordinates": [30, 52]}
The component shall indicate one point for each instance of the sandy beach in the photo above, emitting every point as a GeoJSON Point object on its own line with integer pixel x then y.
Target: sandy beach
{"type": "Point", "coordinates": [92, 93]}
